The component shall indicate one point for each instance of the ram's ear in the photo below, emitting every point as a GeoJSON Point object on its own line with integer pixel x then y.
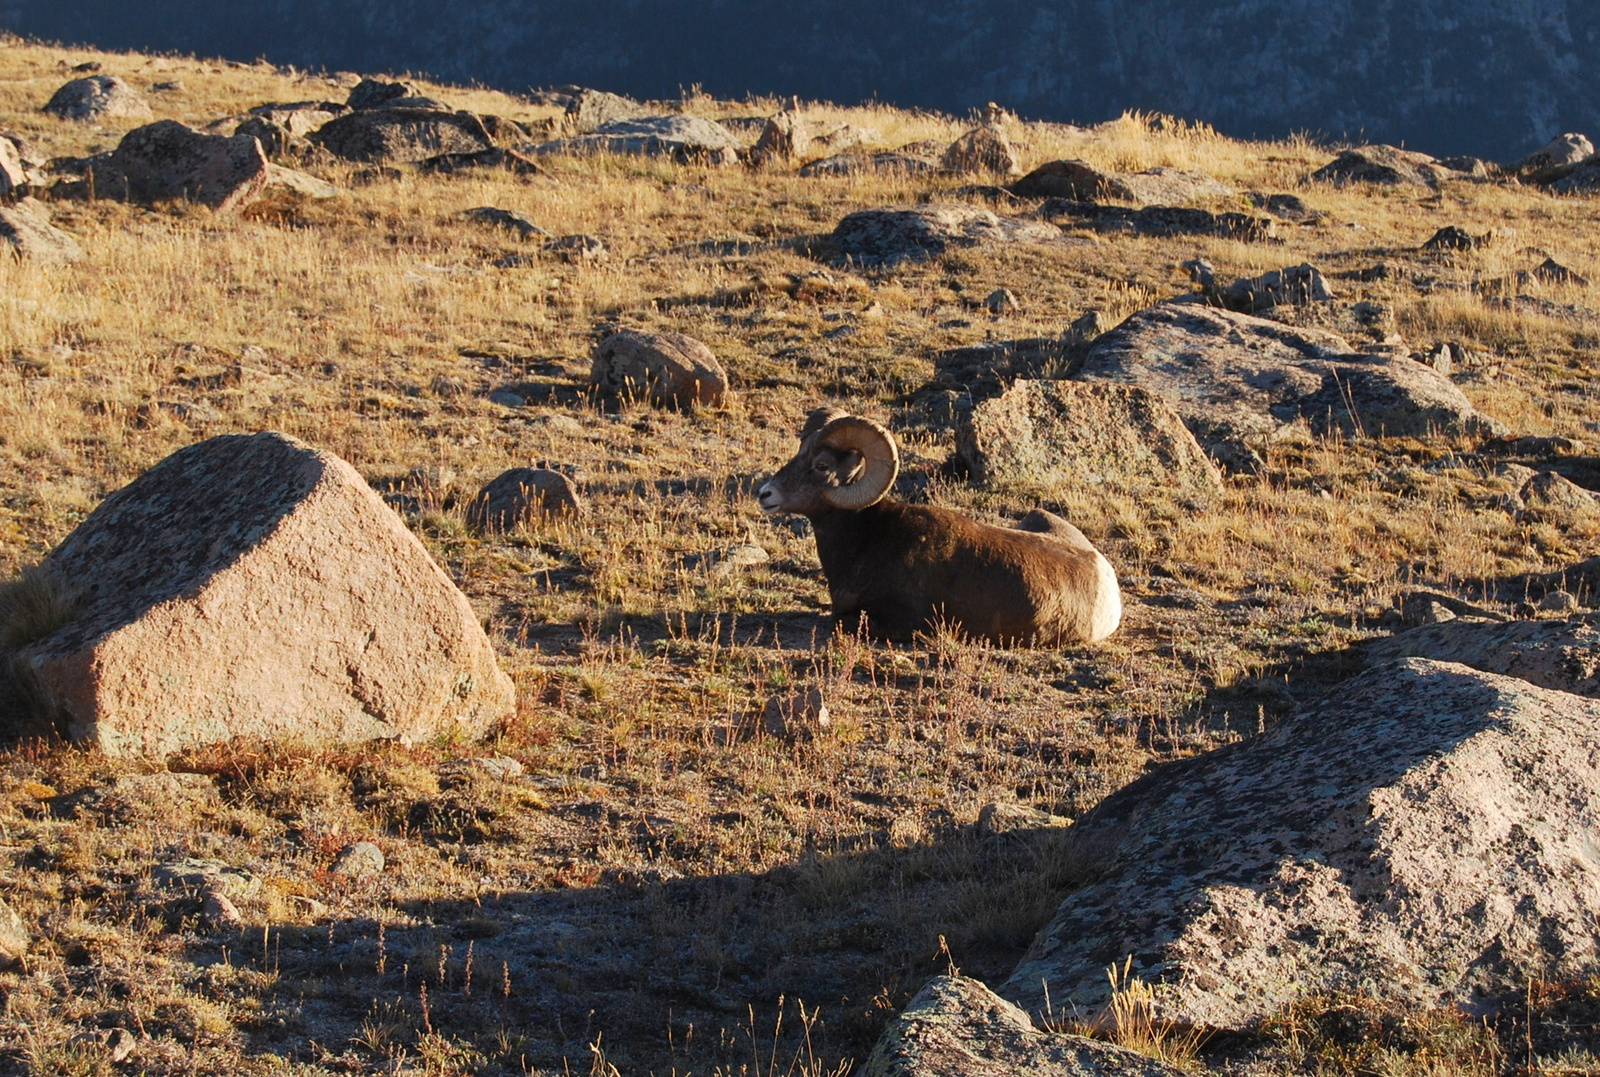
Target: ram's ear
{"type": "Point", "coordinates": [819, 418]}
{"type": "Point", "coordinates": [880, 461]}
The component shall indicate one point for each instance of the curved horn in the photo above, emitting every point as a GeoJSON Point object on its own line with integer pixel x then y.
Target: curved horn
{"type": "Point", "coordinates": [877, 448]}
{"type": "Point", "coordinates": [819, 418]}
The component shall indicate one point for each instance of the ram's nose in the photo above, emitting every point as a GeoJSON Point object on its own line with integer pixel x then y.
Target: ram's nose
{"type": "Point", "coordinates": [767, 498]}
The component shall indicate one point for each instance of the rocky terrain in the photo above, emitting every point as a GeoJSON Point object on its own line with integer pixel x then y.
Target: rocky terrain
{"type": "Point", "coordinates": [400, 677]}
{"type": "Point", "coordinates": [1464, 76]}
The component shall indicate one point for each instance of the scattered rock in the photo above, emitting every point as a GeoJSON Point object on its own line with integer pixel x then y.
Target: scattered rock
{"type": "Point", "coordinates": [98, 97]}
{"type": "Point", "coordinates": [13, 174]}
{"type": "Point", "coordinates": [1382, 165]}
{"type": "Point", "coordinates": [1001, 301]}
{"type": "Point", "coordinates": [522, 495]}
{"type": "Point", "coordinates": [1451, 238]}
{"type": "Point", "coordinates": [504, 218]}
{"type": "Point", "coordinates": [1296, 286]}
{"type": "Point", "coordinates": [362, 860]}
{"type": "Point", "coordinates": [1552, 498]}
{"type": "Point", "coordinates": [1286, 207]}
{"type": "Point", "coordinates": [1557, 602]}
{"type": "Point", "coordinates": [1431, 607]}
{"type": "Point", "coordinates": [847, 136]}
{"type": "Point", "coordinates": [207, 875]}
{"type": "Point", "coordinates": [1079, 181]}
{"type": "Point", "coordinates": [982, 149]}
{"type": "Point", "coordinates": [590, 110]}
{"type": "Point", "coordinates": [1070, 435]}
{"type": "Point", "coordinates": [565, 425]}
{"type": "Point", "coordinates": [253, 586]}
{"type": "Point", "coordinates": [1002, 818]}
{"type": "Point", "coordinates": [1237, 380]}
{"type": "Point", "coordinates": [115, 1045]}
{"type": "Point", "coordinates": [379, 93]}
{"type": "Point", "coordinates": [796, 715]}
{"type": "Point", "coordinates": [506, 399]}
{"type": "Point", "coordinates": [15, 938]}
{"type": "Point", "coordinates": [1161, 220]}
{"type": "Point", "coordinates": [166, 160]}
{"type": "Point", "coordinates": [957, 1027]}
{"type": "Point", "coordinates": [1553, 272]}
{"type": "Point", "coordinates": [1076, 181]}
{"type": "Point", "coordinates": [859, 164]}
{"type": "Point", "coordinates": [1419, 836]}
{"type": "Point", "coordinates": [142, 798]}
{"type": "Point", "coordinates": [784, 138]}
{"type": "Point", "coordinates": [896, 234]}
{"type": "Point", "coordinates": [402, 135]}
{"type": "Point", "coordinates": [281, 128]}
{"type": "Point", "coordinates": [682, 138]}
{"type": "Point", "coordinates": [1563, 150]}
{"type": "Point", "coordinates": [300, 183]}
{"type": "Point", "coordinates": [26, 231]}
{"type": "Point", "coordinates": [220, 911]}
{"type": "Point", "coordinates": [668, 369]}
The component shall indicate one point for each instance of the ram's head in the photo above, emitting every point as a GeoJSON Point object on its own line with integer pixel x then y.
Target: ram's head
{"type": "Point", "coordinates": [845, 463]}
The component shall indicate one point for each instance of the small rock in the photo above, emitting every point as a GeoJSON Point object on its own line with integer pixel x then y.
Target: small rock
{"type": "Point", "coordinates": [565, 425]}
{"type": "Point", "coordinates": [403, 135]}
{"type": "Point", "coordinates": [1451, 238]}
{"type": "Point", "coordinates": [15, 937]}
{"type": "Point", "coordinates": [1553, 272]}
{"type": "Point", "coordinates": [522, 495]}
{"type": "Point", "coordinates": [1286, 207]}
{"type": "Point", "coordinates": [505, 399]}
{"type": "Point", "coordinates": [1201, 272]}
{"type": "Point", "coordinates": [504, 218]}
{"type": "Point", "coordinates": [1002, 301]}
{"type": "Point", "coordinates": [796, 715]}
{"type": "Point", "coordinates": [206, 875]}
{"type": "Point", "coordinates": [1086, 327]}
{"type": "Point", "coordinates": [983, 149]}
{"type": "Point", "coordinates": [688, 139]}
{"type": "Point", "coordinates": [97, 97]}
{"type": "Point", "coordinates": [1295, 286]}
{"type": "Point", "coordinates": [670, 369]}
{"type": "Point", "coordinates": [170, 86]}
{"type": "Point", "coordinates": [13, 175]}
{"type": "Point", "coordinates": [1379, 165]}
{"type": "Point", "coordinates": [1553, 498]}
{"type": "Point", "coordinates": [308, 906]}
{"type": "Point", "coordinates": [377, 93]}
{"type": "Point", "coordinates": [501, 767]}
{"type": "Point", "coordinates": [1559, 602]}
{"type": "Point", "coordinates": [165, 160]}
{"type": "Point", "coordinates": [1442, 359]}
{"type": "Point", "coordinates": [589, 110]}
{"type": "Point", "coordinates": [26, 231]}
{"type": "Point", "coordinates": [580, 248]}
{"type": "Point", "coordinates": [116, 1044]}
{"type": "Point", "coordinates": [362, 860]}
{"type": "Point", "coordinates": [856, 164]}
{"type": "Point", "coordinates": [746, 554]}
{"type": "Point", "coordinates": [896, 234]}
{"type": "Point", "coordinates": [220, 911]}
{"type": "Point", "coordinates": [784, 138]}
{"type": "Point", "coordinates": [1003, 818]}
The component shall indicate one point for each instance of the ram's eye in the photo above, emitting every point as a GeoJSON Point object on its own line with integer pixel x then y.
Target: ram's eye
{"type": "Point", "coordinates": [821, 467]}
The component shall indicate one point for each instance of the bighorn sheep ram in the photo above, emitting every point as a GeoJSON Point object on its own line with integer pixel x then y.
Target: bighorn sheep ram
{"type": "Point", "coordinates": [907, 567]}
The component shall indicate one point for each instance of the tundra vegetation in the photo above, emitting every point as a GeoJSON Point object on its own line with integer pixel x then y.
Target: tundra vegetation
{"type": "Point", "coordinates": [641, 871]}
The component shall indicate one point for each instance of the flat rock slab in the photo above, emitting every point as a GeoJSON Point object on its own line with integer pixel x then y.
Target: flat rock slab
{"type": "Point", "coordinates": [1426, 834]}
{"type": "Point", "coordinates": [957, 1027]}
{"type": "Point", "coordinates": [97, 97]}
{"type": "Point", "coordinates": [165, 160]}
{"type": "Point", "coordinates": [26, 231]}
{"type": "Point", "coordinates": [895, 234]}
{"type": "Point", "coordinates": [1159, 220]}
{"type": "Point", "coordinates": [1238, 380]}
{"type": "Point", "coordinates": [250, 585]}
{"type": "Point", "coordinates": [683, 138]}
{"type": "Point", "coordinates": [861, 164]}
{"type": "Point", "coordinates": [1073, 435]}
{"type": "Point", "coordinates": [402, 135]}
{"type": "Point", "coordinates": [1560, 655]}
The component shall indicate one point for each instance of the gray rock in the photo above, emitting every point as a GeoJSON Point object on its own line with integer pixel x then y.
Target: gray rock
{"type": "Point", "coordinates": [220, 911]}
{"type": "Point", "coordinates": [114, 1044]}
{"type": "Point", "coordinates": [982, 149]}
{"type": "Point", "coordinates": [1002, 818]}
{"type": "Point", "coordinates": [1383, 166]}
{"type": "Point", "coordinates": [668, 369]}
{"type": "Point", "coordinates": [97, 97]}
{"type": "Point", "coordinates": [1579, 178]}
{"type": "Point", "coordinates": [590, 110]}
{"type": "Point", "coordinates": [1160, 220]}
{"type": "Point", "coordinates": [504, 218]}
{"type": "Point", "coordinates": [26, 232]}
{"type": "Point", "coordinates": [403, 135]}
{"type": "Point", "coordinates": [362, 860]}
{"type": "Point", "coordinates": [1560, 655]}
{"type": "Point", "coordinates": [1001, 301]}
{"type": "Point", "coordinates": [783, 138]}
{"type": "Point", "coordinates": [1080, 181]}
{"type": "Point", "coordinates": [579, 248]}
{"type": "Point", "coordinates": [506, 400]}
{"type": "Point", "coordinates": [165, 160]}
{"type": "Point", "coordinates": [683, 138]}
{"type": "Point", "coordinates": [15, 938]}
{"type": "Point", "coordinates": [13, 174]}
{"type": "Point", "coordinates": [860, 164]}
{"type": "Point", "coordinates": [1295, 286]}
{"type": "Point", "coordinates": [378, 93]}
{"type": "Point", "coordinates": [521, 495]}
{"type": "Point", "coordinates": [1238, 380]}
{"type": "Point", "coordinates": [1286, 207]}
{"type": "Point", "coordinates": [957, 1027]}
{"type": "Point", "coordinates": [207, 875]}
{"type": "Point", "coordinates": [282, 128]}
{"type": "Point", "coordinates": [1558, 602]}
{"type": "Point", "coordinates": [1552, 498]}
{"type": "Point", "coordinates": [1565, 149]}
{"type": "Point", "coordinates": [1075, 436]}
{"type": "Point", "coordinates": [253, 586]}
{"type": "Point", "coordinates": [300, 183]}
{"type": "Point", "coordinates": [898, 234]}
{"type": "Point", "coordinates": [1422, 835]}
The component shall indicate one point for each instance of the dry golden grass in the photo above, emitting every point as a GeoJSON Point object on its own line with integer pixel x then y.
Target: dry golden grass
{"type": "Point", "coordinates": [674, 877]}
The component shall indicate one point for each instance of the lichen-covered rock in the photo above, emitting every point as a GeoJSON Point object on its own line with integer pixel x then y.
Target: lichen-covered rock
{"type": "Point", "coordinates": [590, 110]}
{"type": "Point", "coordinates": [1294, 286]}
{"type": "Point", "coordinates": [957, 1027]}
{"type": "Point", "coordinates": [1160, 220]}
{"type": "Point", "coordinates": [1425, 834]}
{"type": "Point", "coordinates": [785, 137]}
{"type": "Point", "coordinates": [1071, 435]}
{"type": "Point", "coordinates": [97, 97]}
{"type": "Point", "coordinates": [898, 234]}
{"type": "Point", "coordinates": [522, 495]}
{"type": "Point", "coordinates": [281, 128]}
{"type": "Point", "coordinates": [670, 369]}
{"type": "Point", "coordinates": [1552, 498]}
{"type": "Point", "coordinates": [26, 232]}
{"type": "Point", "coordinates": [982, 149]}
{"type": "Point", "coordinates": [1384, 166]}
{"type": "Point", "coordinates": [682, 138]}
{"type": "Point", "coordinates": [402, 135]}
{"type": "Point", "coordinates": [1238, 380]}
{"type": "Point", "coordinates": [1560, 655]}
{"type": "Point", "coordinates": [379, 93]}
{"type": "Point", "coordinates": [165, 160]}
{"type": "Point", "coordinates": [253, 586]}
